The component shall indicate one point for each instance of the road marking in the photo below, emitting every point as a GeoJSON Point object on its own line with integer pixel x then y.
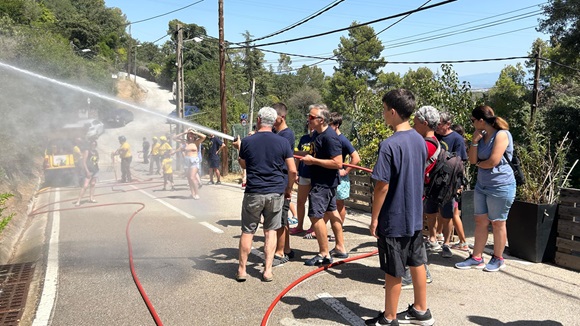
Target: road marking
{"type": "Point", "coordinates": [168, 205]}
{"type": "Point", "coordinates": [49, 288]}
{"type": "Point", "coordinates": [341, 309]}
{"type": "Point", "coordinates": [211, 227]}
{"type": "Point", "coordinates": [189, 216]}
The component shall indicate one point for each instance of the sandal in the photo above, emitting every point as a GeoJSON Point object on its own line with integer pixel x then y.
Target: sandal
{"type": "Point", "coordinates": [463, 246]}
{"type": "Point", "coordinates": [310, 235]}
{"type": "Point", "coordinates": [240, 278]}
{"type": "Point", "coordinates": [337, 254]}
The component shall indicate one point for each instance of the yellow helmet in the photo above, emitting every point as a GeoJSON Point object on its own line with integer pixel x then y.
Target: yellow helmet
{"type": "Point", "coordinates": [163, 138]}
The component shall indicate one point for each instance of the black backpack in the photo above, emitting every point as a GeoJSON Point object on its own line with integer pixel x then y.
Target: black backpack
{"type": "Point", "coordinates": [446, 177]}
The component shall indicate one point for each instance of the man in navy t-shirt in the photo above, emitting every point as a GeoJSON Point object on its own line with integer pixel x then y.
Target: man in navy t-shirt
{"type": "Point", "coordinates": [271, 170]}
{"type": "Point", "coordinates": [324, 165]}
{"type": "Point", "coordinates": [397, 214]}
{"type": "Point", "coordinates": [215, 147]}
{"type": "Point", "coordinates": [283, 251]}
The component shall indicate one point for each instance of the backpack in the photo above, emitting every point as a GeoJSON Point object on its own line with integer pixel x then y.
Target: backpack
{"type": "Point", "coordinates": [446, 177]}
{"type": "Point", "coordinates": [516, 165]}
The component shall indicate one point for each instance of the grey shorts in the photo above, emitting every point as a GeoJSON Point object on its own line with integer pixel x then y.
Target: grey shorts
{"type": "Point", "coordinates": [395, 254]}
{"type": "Point", "coordinates": [302, 181]}
{"type": "Point", "coordinates": [254, 206]}
{"type": "Point", "coordinates": [320, 201]}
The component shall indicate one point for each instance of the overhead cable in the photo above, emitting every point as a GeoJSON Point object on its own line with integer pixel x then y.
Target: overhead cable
{"type": "Point", "coordinates": [302, 21]}
{"type": "Point", "coordinates": [165, 14]}
{"type": "Point", "coordinates": [348, 28]}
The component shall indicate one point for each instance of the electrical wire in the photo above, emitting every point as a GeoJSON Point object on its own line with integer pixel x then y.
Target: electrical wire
{"type": "Point", "coordinates": [165, 14]}
{"type": "Point", "coordinates": [348, 28]}
{"type": "Point", "coordinates": [558, 64]}
{"type": "Point", "coordinates": [300, 22]}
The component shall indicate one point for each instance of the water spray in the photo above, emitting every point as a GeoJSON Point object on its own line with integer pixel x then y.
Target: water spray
{"type": "Point", "coordinates": [105, 97]}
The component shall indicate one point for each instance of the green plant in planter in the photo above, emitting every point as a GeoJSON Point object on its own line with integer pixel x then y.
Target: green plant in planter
{"type": "Point", "coordinates": [544, 168]}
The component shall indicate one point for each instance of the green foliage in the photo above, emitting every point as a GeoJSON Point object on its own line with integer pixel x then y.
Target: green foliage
{"type": "Point", "coordinates": [4, 220]}
{"type": "Point", "coordinates": [562, 22]}
{"type": "Point", "coordinates": [545, 168]}
{"type": "Point", "coordinates": [359, 59]}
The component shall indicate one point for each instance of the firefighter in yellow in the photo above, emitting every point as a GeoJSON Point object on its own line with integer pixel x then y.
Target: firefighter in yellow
{"type": "Point", "coordinates": [125, 153]}
{"type": "Point", "coordinates": [155, 158]}
{"type": "Point", "coordinates": [164, 148]}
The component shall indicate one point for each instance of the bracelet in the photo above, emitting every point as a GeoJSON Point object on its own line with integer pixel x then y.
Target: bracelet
{"type": "Point", "coordinates": [474, 144]}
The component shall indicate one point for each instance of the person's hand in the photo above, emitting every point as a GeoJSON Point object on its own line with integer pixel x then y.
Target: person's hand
{"type": "Point", "coordinates": [288, 193]}
{"type": "Point", "coordinates": [342, 172]}
{"type": "Point", "coordinates": [237, 143]}
{"type": "Point", "coordinates": [373, 227]}
{"type": "Point", "coordinates": [308, 159]}
{"type": "Point", "coordinates": [477, 136]}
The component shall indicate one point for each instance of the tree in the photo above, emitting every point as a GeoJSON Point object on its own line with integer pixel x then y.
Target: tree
{"type": "Point", "coordinates": [563, 23]}
{"type": "Point", "coordinates": [359, 59]}
{"type": "Point", "coordinates": [284, 63]}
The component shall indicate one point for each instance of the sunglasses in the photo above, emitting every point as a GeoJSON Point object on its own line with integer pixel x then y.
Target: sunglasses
{"type": "Point", "coordinates": [312, 117]}
{"type": "Point", "coordinates": [473, 119]}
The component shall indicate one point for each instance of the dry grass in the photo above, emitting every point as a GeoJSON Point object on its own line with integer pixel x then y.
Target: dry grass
{"type": "Point", "coordinates": [127, 90]}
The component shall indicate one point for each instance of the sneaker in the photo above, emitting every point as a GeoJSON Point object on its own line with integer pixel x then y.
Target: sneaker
{"type": "Point", "coordinates": [280, 260]}
{"type": "Point", "coordinates": [471, 262]}
{"type": "Point", "coordinates": [337, 254]}
{"type": "Point", "coordinates": [433, 246]}
{"type": "Point", "coordinates": [381, 320]}
{"type": "Point", "coordinates": [446, 252]}
{"type": "Point", "coordinates": [440, 237]}
{"type": "Point", "coordinates": [218, 183]}
{"type": "Point", "coordinates": [210, 183]}
{"type": "Point", "coordinates": [411, 316]}
{"type": "Point", "coordinates": [318, 260]}
{"type": "Point", "coordinates": [460, 246]}
{"type": "Point", "coordinates": [494, 265]}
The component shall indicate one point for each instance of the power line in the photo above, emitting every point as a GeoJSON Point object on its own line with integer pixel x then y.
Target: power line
{"type": "Point", "coordinates": [558, 64]}
{"type": "Point", "coordinates": [350, 27]}
{"type": "Point", "coordinates": [165, 14]}
{"type": "Point", "coordinates": [300, 22]}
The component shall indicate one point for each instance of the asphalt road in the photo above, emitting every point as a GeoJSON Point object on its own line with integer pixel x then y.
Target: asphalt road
{"type": "Point", "coordinates": [185, 256]}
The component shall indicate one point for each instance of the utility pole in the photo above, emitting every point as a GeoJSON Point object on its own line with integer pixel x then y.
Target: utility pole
{"type": "Point", "coordinates": [225, 163]}
{"type": "Point", "coordinates": [535, 91]}
{"type": "Point", "coordinates": [179, 84]}
{"type": "Point", "coordinates": [252, 103]}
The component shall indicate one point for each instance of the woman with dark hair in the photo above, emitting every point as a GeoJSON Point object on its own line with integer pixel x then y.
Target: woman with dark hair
{"type": "Point", "coordinates": [495, 189]}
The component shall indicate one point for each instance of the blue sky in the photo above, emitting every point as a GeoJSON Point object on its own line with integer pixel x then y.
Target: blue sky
{"type": "Point", "coordinates": [418, 37]}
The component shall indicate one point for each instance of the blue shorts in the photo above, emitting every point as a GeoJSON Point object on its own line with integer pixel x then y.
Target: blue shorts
{"type": "Point", "coordinates": [495, 201]}
{"type": "Point", "coordinates": [343, 189]}
{"type": "Point", "coordinates": [214, 162]}
{"type": "Point", "coordinates": [320, 201]}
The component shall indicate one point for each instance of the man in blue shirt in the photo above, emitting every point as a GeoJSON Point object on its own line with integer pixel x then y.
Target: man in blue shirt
{"type": "Point", "coordinates": [397, 214]}
{"type": "Point", "coordinates": [271, 171]}
{"type": "Point", "coordinates": [215, 147]}
{"type": "Point", "coordinates": [324, 163]}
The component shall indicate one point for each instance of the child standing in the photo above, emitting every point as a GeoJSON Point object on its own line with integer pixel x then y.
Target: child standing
{"type": "Point", "coordinates": [167, 165]}
{"type": "Point", "coordinates": [397, 212]}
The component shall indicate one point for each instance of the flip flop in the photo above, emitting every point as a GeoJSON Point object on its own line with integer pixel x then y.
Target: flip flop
{"type": "Point", "coordinates": [267, 279]}
{"type": "Point", "coordinates": [240, 278]}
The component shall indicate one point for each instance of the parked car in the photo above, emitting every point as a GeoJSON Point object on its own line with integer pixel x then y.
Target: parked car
{"type": "Point", "coordinates": [188, 110]}
{"type": "Point", "coordinates": [94, 128]}
{"type": "Point", "coordinates": [118, 117]}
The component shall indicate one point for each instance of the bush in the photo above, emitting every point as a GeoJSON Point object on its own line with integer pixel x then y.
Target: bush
{"type": "Point", "coordinates": [4, 220]}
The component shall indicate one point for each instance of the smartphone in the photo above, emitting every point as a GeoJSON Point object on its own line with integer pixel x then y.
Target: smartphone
{"type": "Point", "coordinates": [483, 132]}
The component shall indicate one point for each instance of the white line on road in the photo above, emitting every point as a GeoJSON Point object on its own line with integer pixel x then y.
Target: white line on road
{"type": "Point", "coordinates": [47, 300]}
{"type": "Point", "coordinates": [189, 216]}
{"type": "Point", "coordinates": [168, 205]}
{"type": "Point", "coordinates": [211, 227]}
{"type": "Point", "coordinates": [341, 309]}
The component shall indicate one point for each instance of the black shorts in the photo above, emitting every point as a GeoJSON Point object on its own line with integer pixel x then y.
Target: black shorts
{"type": "Point", "coordinates": [320, 201]}
{"type": "Point", "coordinates": [285, 210]}
{"type": "Point", "coordinates": [168, 177]}
{"type": "Point", "coordinates": [395, 254]}
{"type": "Point", "coordinates": [432, 207]}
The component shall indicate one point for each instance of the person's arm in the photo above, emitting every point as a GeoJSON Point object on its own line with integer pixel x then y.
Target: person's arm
{"type": "Point", "coordinates": [291, 177]}
{"type": "Point", "coordinates": [379, 195]}
{"type": "Point", "coordinates": [332, 163]}
{"type": "Point", "coordinates": [472, 152]}
{"type": "Point", "coordinates": [85, 157]}
{"type": "Point", "coordinates": [500, 144]}
{"type": "Point", "coordinates": [354, 160]}
{"type": "Point", "coordinates": [219, 149]}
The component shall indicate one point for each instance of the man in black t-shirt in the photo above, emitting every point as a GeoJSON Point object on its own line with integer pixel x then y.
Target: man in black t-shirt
{"type": "Point", "coordinates": [269, 164]}
{"type": "Point", "coordinates": [324, 164]}
{"type": "Point", "coordinates": [215, 147]}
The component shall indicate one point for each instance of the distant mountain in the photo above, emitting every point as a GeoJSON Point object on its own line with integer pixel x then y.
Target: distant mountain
{"type": "Point", "coordinates": [481, 81]}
